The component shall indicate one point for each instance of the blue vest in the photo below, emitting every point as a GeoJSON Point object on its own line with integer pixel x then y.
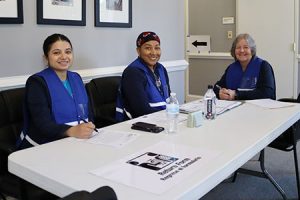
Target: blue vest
{"type": "Point", "coordinates": [66, 108]}
{"type": "Point", "coordinates": [156, 99]}
{"type": "Point", "coordinates": [236, 78]}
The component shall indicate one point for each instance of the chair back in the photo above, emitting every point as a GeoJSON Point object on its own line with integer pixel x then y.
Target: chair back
{"type": "Point", "coordinates": [11, 121]}
{"type": "Point", "coordinates": [288, 138]}
{"type": "Point", "coordinates": [102, 94]}
{"type": "Point", "coordinates": [103, 193]}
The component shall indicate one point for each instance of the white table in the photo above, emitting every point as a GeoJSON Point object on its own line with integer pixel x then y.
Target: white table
{"type": "Point", "coordinates": [63, 167]}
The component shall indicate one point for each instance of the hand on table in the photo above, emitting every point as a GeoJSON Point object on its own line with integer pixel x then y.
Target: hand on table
{"type": "Point", "coordinates": [82, 131]}
{"type": "Point", "coordinates": [226, 94]}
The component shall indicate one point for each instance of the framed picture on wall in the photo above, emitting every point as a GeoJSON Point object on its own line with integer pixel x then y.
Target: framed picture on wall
{"type": "Point", "coordinates": [61, 12]}
{"type": "Point", "coordinates": [11, 12]}
{"type": "Point", "coordinates": [113, 13]}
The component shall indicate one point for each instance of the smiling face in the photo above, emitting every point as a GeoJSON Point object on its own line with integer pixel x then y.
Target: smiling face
{"type": "Point", "coordinates": [60, 56]}
{"type": "Point", "coordinates": [243, 52]}
{"type": "Point", "coordinates": [150, 52]}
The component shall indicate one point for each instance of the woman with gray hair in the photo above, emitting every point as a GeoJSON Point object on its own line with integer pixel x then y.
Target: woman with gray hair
{"type": "Point", "coordinates": [249, 77]}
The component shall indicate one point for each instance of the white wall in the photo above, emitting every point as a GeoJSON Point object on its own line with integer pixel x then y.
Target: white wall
{"type": "Point", "coordinates": [94, 47]}
{"type": "Point", "coordinates": [205, 18]}
{"type": "Point", "coordinates": [21, 45]}
{"type": "Point", "coordinates": [275, 35]}
{"type": "Point", "coordinates": [263, 23]}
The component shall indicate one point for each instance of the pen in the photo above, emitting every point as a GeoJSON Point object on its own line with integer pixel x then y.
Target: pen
{"type": "Point", "coordinates": [88, 122]}
{"type": "Point", "coordinates": [219, 87]}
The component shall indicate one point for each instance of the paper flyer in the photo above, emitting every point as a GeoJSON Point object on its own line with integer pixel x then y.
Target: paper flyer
{"type": "Point", "coordinates": [158, 167]}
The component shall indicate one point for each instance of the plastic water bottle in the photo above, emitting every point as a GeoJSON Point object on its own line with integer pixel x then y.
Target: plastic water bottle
{"type": "Point", "coordinates": [209, 109]}
{"type": "Point", "coordinates": [172, 113]}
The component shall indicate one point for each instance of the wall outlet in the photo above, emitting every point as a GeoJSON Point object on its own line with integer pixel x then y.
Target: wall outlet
{"type": "Point", "coordinates": [229, 34]}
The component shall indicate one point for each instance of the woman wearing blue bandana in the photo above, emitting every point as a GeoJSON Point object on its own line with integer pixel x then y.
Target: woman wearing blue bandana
{"type": "Point", "coordinates": [249, 77]}
{"type": "Point", "coordinates": [56, 102]}
{"type": "Point", "coordinates": [145, 82]}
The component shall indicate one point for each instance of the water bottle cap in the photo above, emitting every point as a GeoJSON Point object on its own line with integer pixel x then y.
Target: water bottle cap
{"type": "Point", "coordinates": [210, 87]}
{"type": "Point", "coordinates": [173, 94]}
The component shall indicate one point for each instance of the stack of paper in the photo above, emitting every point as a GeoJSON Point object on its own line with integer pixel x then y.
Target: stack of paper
{"type": "Point", "coordinates": [113, 138]}
{"type": "Point", "coordinates": [222, 106]}
{"type": "Point", "coordinates": [269, 103]}
{"type": "Point", "coordinates": [191, 107]}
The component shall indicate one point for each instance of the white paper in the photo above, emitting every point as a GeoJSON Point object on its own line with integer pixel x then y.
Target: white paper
{"type": "Point", "coordinates": [158, 167]}
{"type": "Point", "coordinates": [63, 11]}
{"type": "Point", "coordinates": [191, 106]}
{"type": "Point", "coordinates": [112, 138]}
{"type": "Point", "coordinates": [9, 8]}
{"type": "Point", "coordinates": [119, 16]}
{"type": "Point", "coordinates": [222, 106]}
{"type": "Point", "coordinates": [269, 103]}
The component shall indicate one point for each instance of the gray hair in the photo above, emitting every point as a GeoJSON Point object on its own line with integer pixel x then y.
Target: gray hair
{"type": "Point", "coordinates": [249, 40]}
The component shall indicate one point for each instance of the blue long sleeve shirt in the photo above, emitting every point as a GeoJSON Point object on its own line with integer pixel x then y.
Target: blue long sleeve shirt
{"type": "Point", "coordinates": [135, 96]}
{"type": "Point", "coordinates": [265, 86]}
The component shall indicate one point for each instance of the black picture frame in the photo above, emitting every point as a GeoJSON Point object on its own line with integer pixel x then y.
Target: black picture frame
{"type": "Point", "coordinates": [124, 13]}
{"type": "Point", "coordinates": [52, 20]}
{"type": "Point", "coordinates": [19, 19]}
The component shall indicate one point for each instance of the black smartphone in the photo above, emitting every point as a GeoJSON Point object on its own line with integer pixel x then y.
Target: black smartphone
{"type": "Point", "coordinates": [143, 126]}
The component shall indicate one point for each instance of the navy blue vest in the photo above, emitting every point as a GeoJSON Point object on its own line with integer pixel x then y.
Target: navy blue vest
{"type": "Point", "coordinates": [236, 78]}
{"type": "Point", "coordinates": [66, 108]}
{"type": "Point", "coordinates": [156, 99]}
